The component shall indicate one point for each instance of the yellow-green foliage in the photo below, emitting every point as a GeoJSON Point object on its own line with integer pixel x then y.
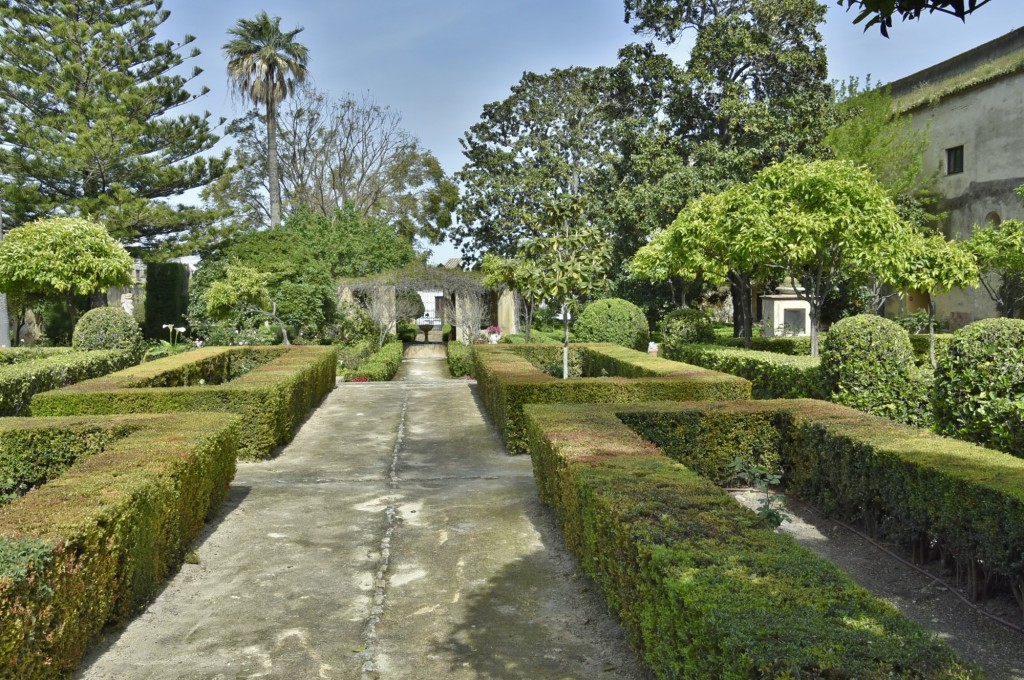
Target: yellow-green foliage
{"type": "Point", "coordinates": [507, 381]}
{"type": "Point", "coordinates": [383, 364]}
{"type": "Point", "coordinates": [792, 345]}
{"type": "Point", "coordinates": [92, 546]}
{"type": "Point", "coordinates": [23, 373]}
{"type": "Point", "coordinates": [271, 388]}
{"type": "Point", "coordinates": [774, 376]}
{"type": "Point", "coordinates": [703, 588]}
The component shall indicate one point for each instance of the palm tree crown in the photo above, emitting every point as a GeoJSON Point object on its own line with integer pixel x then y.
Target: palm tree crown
{"type": "Point", "coordinates": [265, 65]}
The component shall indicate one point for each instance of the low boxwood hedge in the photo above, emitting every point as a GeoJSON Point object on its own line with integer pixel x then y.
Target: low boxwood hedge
{"type": "Point", "coordinates": [508, 380]}
{"type": "Point", "coordinates": [938, 496]}
{"type": "Point", "coordinates": [793, 346]}
{"type": "Point", "coordinates": [460, 359]}
{"type": "Point", "coordinates": [703, 588]}
{"type": "Point", "coordinates": [382, 364]}
{"type": "Point", "coordinates": [774, 376]}
{"type": "Point", "coordinates": [23, 373]}
{"type": "Point", "coordinates": [92, 546]}
{"type": "Point", "coordinates": [271, 388]}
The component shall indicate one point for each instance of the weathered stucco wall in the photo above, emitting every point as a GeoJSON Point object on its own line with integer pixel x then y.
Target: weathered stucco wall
{"type": "Point", "coordinates": [989, 122]}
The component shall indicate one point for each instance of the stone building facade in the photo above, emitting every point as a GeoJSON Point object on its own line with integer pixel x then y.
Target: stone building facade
{"type": "Point", "coordinates": [973, 109]}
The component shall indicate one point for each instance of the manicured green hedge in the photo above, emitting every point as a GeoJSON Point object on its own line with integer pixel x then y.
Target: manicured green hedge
{"type": "Point", "coordinates": [508, 380]}
{"type": "Point", "coordinates": [899, 482]}
{"type": "Point", "coordinates": [32, 371]}
{"type": "Point", "coordinates": [774, 376]}
{"type": "Point", "coordinates": [15, 355]}
{"type": "Point", "coordinates": [460, 359]}
{"type": "Point", "coordinates": [793, 346]}
{"type": "Point", "coordinates": [383, 364]}
{"type": "Point", "coordinates": [91, 547]}
{"type": "Point", "coordinates": [703, 588]}
{"type": "Point", "coordinates": [271, 388]}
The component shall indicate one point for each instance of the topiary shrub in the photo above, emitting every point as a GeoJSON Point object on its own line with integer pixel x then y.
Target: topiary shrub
{"type": "Point", "coordinates": [613, 320]}
{"type": "Point", "coordinates": [979, 385]}
{"type": "Point", "coordinates": [108, 328]}
{"type": "Point", "coordinates": [867, 363]}
{"type": "Point", "coordinates": [685, 327]}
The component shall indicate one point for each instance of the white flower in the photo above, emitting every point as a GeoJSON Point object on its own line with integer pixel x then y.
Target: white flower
{"type": "Point", "coordinates": [180, 329]}
{"type": "Point", "coordinates": [167, 325]}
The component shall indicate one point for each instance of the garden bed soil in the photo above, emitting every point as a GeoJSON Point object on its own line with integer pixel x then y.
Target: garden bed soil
{"type": "Point", "coordinates": [930, 598]}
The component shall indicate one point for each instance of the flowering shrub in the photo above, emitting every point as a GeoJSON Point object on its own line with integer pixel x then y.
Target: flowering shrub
{"type": "Point", "coordinates": [494, 329]}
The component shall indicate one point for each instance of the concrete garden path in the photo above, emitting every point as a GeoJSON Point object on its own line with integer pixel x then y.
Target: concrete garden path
{"type": "Point", "coordinates": [392, 539]}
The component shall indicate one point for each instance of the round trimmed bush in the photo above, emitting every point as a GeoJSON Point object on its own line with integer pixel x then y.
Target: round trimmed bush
{"type": "Point", "coordinates": [979, 385]}
{"type": "Point", "coordinates": [107, 328]}
{"type": "Point", "coordinates": [613, 320]}
{"type": "Point", "coordinates": [685, 327]}
{"type": "Point", "coordinates": [867, 363]}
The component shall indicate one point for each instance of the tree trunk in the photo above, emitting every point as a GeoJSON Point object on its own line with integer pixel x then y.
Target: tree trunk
{"type": "Point", "coordinates": [815, 326]}
{"type": "Point", "coordinates": [528, 318]}
{"type": "Point", "coordinates": [565, 343]}
{"type": "Point", "coordinates": [272, 171]}
{"type": "Point", "coordinates": [743, 321]}
{"type": "Point", "coordinates": [931, 332]}
{"type": "Point", "coordinates": [5, 319]}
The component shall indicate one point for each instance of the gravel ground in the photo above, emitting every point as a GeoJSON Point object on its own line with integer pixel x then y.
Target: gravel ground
{"type": "Point", "coordinates": [928, 598]}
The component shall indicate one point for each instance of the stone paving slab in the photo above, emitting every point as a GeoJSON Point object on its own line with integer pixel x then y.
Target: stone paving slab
{"type": "Point", "coordinates": [392, 539]}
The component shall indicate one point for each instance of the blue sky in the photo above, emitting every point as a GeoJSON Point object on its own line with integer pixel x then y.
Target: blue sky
{"type": "Point", "coordinates": [439, 62]}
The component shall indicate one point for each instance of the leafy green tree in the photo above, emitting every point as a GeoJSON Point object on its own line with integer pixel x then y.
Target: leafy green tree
{"type": "Point", "coordinates": [521, 274]}
{"type": "Point", "coordinates": [572, 261]}
{"type": "Point", "coordinates": [937, 265]}
{"type": "Point", "coordinates": [753, 92]}
{"type": "Point", "coordinates": [1000, 254]}
{"type": "Point", "coordinates": [545, 139]}
{"type": "Point", "coordinates": [244, 289]}
{"type": "Point", "coordinates": [65, 256]}
{"type": "Point", "coordinates": [301, 259]}
{"type": "Point", "coordinates": [822, 221]}
{"type": "Point", "coordinates": [265, 64]}
{"type": "Point", "coordinates": [87, 124]}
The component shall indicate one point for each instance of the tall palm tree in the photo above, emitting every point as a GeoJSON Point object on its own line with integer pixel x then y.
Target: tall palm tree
{"type": "Point", "coordinates": [265, 65]}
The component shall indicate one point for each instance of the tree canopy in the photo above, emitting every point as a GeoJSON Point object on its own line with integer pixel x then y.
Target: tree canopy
{"type": "Point", "coordinates": [881, 12]}
{"type": "Point", "coordinates": [87, 124]}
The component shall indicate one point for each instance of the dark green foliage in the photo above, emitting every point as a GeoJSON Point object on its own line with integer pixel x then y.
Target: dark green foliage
{"type": "Point", "coordinates": [703, 588]}
{"type": "Point", "coordinates": [277, 387]}
{"type": "Point", "coordinates": [920, 343]}
{"type": "Point", "coordinates": [383, 364]}
{"type": "Point", "coordinates": [774, 376]}
{"type": "Point", "coordinates": [90, 548]}
{"type": "Point", "coordinates": [979, 385]}
{"type": "Point", "coordinates": [460, 359]}
{"type": "Point", "coordinates": [407, 332]}
{"type": "Point", "coordinates": [166, 297]}
{"type": "Point", "coordinates": [867, 362]}
{"type": "Point", "coordinates": [108, 328]}
{"type": "Point", "coordinates": [793, 346]}
{"type": "Point", "coordinates": [35, 371]}
{"type": "Point", "coordinates": [613, 320]}
{"type": "Point", "coordinates": [683, 327]}
{"type": "Point", "coordinates": [508, 381]}
{"type": "Point", "coordinates": [31, 458]}
{"type": "Point", "coordinates": [710, 445]}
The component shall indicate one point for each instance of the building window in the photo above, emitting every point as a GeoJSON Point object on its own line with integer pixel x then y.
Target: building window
{"type": "Point", "coordinates": [955, 160]}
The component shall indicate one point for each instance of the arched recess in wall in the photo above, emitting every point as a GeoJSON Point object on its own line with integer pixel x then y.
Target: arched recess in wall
{"type": "Point", "coordinates": [993, 219]}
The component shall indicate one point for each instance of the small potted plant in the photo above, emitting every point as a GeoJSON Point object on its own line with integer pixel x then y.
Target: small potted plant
{"type": "Point", "coordinates": [494, 334]}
